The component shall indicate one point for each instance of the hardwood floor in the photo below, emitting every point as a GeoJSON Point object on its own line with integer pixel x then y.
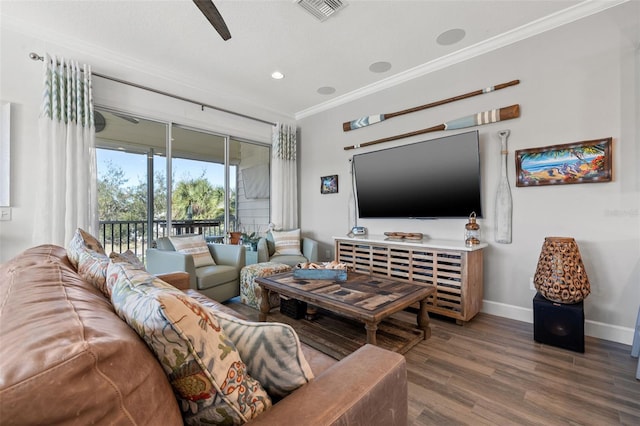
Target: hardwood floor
{"type": "Point", "coordinates": [491, 372]}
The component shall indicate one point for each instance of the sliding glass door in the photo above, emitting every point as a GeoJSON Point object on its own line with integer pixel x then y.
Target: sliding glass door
{"type": "Point", "coordinates": [209, 184]}
{"type": "Point", "coordinates": [198, 201]}
{"type": "Point", "coordinates": [250, 172]}
{"type": "Point", "coordinates": [132, 183]}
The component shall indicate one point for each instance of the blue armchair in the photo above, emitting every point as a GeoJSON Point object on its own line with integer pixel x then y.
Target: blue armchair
{"type": "Point", "coordinates": [267, 249]}
{"type": "Point", "coordinates": [219, 282]}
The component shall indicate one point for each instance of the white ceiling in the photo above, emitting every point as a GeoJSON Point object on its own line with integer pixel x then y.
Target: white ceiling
{"type": "Point", "coordinates": [172, 39]}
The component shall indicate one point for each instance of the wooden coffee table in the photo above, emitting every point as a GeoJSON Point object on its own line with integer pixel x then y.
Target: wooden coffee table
{"type": "Point", "coordinates": [362, 297]}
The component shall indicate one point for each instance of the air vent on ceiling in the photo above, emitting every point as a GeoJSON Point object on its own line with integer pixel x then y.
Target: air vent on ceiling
{"type": "Point", "coordinates": [322, 9]}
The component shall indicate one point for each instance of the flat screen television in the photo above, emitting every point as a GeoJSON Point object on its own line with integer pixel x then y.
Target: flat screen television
{"type": "Point", "coordinates": [437, 178]}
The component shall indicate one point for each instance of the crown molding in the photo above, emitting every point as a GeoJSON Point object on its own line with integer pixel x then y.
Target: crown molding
{"type": "Point", "coordinates": [550, 22]}
{"type": "Point", "coordinates": [566, 16]}
{"type": "Point", "coordinates": [128, 65]}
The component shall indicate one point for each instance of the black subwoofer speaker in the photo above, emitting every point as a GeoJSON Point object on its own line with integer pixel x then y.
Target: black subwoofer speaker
{"type": "Point", "coordinates": [558, 324]}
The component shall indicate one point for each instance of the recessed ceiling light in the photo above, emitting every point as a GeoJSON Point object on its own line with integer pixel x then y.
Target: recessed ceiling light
{"type": "Point", "coordinates": [326, 90]}
{"type": "Point", "coordinates": [380, 67]}
{"type": "Point", "coordinates": [451, 37]}
{"type": "Point", "coordinates": [277, 75]}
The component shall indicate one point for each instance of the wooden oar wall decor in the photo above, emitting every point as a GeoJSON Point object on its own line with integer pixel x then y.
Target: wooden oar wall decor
{"type": "Point", "coordinates": [373, 119]}
{"type": "Point", "coordinates": [481, 118]}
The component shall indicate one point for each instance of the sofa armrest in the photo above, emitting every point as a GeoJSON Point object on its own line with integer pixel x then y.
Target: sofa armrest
{"type": "Point", "coordinates": [164, 261]}
{"type": "Point", "coordinates": [310, 249]}
{"type": "Point", "coordinates": [369, 387]}
{"type": "Point", "coordinates": [179, 280]}
{"type": "Point", "coordinates": [263, 250]}
{"type": "Point", "coordinates": [228, 254]}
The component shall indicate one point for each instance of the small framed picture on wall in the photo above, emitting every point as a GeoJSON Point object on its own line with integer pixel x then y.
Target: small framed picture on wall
{"type": "Point", "coordinates": [329, 184]}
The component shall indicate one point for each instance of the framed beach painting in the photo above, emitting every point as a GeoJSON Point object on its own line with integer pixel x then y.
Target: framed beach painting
{"type": "Point", "coordinates": [578, 162]}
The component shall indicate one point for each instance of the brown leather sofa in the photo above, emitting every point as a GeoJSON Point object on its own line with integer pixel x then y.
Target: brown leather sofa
{"type": "Point", "coordinates": [67, 358]}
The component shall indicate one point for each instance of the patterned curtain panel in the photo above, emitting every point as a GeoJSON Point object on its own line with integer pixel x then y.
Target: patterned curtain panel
{"type": "Point", "coordinates": [65, 163]}
{"type": "Point", "coordinates": [284, 178]}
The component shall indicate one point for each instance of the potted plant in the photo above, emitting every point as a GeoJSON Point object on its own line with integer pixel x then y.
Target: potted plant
{"type": "Point", "coordinates": [251, 239]}
{"type": "Point", "coordinates": [235, 237]}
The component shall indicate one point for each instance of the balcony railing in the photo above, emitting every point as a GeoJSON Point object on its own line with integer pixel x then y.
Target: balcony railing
{"type": "Point", "coordinates": [122, 235]}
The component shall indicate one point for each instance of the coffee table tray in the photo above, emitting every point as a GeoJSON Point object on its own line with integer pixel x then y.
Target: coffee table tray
{"type": "Point", "coordinates": [320, 274]}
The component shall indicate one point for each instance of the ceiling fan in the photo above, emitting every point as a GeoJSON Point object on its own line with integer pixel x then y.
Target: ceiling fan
{"type": "Point", "coordinates": [100, 122]}
{"type": "Point", "coordinates": [210, 12]}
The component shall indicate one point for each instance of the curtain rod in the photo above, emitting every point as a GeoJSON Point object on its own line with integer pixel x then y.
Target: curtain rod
{"type": "Point", "coordinates": [37, 57]}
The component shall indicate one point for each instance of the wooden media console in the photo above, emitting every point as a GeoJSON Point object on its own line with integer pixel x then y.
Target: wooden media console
{"type": "Point", "coordinates": [454, 269]}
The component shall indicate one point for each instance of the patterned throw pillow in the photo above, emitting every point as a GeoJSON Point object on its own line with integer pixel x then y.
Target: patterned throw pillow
{"type": "Point", "coordinates": [202, 364]}
{"type": "Point", "coordinates": [271, 351]}
{"type": "Point", "coordinates": [88, 257]}
{"type": "Point", "coordinates": [80, 243]}
{"type": "Point", "coordinates": [92, 267]}
{"type": "Point", "coordinates": [127, 257]}
{"type": "Point", "coordinates": [196, 246]}
{"type": "Point", "coordinates": [287, 242]}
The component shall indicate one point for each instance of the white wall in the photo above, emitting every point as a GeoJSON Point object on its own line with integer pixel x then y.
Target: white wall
{"type": "Point", "coordinates": [21, 84]}
{"type": "Point", "coordinates": [578, 82]}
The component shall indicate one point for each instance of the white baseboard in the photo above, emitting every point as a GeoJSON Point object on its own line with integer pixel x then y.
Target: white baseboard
{"type": "Point", "coordinates": [614, 333]}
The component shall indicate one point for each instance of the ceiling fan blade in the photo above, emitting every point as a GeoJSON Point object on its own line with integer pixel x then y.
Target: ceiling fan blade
{"type": "Point", "coordinates": [126, 117]}
{"type": "Point", "coordinates": [209, 10]}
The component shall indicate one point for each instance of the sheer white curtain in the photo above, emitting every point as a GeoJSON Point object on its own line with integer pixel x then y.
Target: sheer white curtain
{"type": "Point", "coordinates": [284, 180]}
{"type": "Point", "coordinates": [65, 163]}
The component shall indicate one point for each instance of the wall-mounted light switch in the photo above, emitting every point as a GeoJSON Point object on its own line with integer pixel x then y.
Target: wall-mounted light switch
{"type": "Point", "coordinates": [5, 213]}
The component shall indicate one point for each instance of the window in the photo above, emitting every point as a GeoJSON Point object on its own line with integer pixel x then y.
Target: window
{"type": "Point", "coordinates": [211, 184]}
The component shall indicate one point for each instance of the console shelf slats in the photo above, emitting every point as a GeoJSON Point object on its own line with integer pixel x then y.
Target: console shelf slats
{"type": "Point", "coordinates": [455, 270]}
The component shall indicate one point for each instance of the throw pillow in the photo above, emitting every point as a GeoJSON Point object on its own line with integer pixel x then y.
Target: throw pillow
{"type": "Point", "coordinates": [287, 242]}
{"type": "Point", "coordinates": [196, 246]}
{"type": "Point", "coordinates": [88, 257]}
{"type": "Point", "coordinates": [81, 242]}
{"type": "Point", "coordinates": [271, 351]}
{"type": "Point", "coordinates": [202, 364]}
{"type": "Point", "coordinates": [92, 267]}
{"type": "Point", "coordinates": [271, 246]}
{"type": "Point", "coordinates": [127, 257]}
